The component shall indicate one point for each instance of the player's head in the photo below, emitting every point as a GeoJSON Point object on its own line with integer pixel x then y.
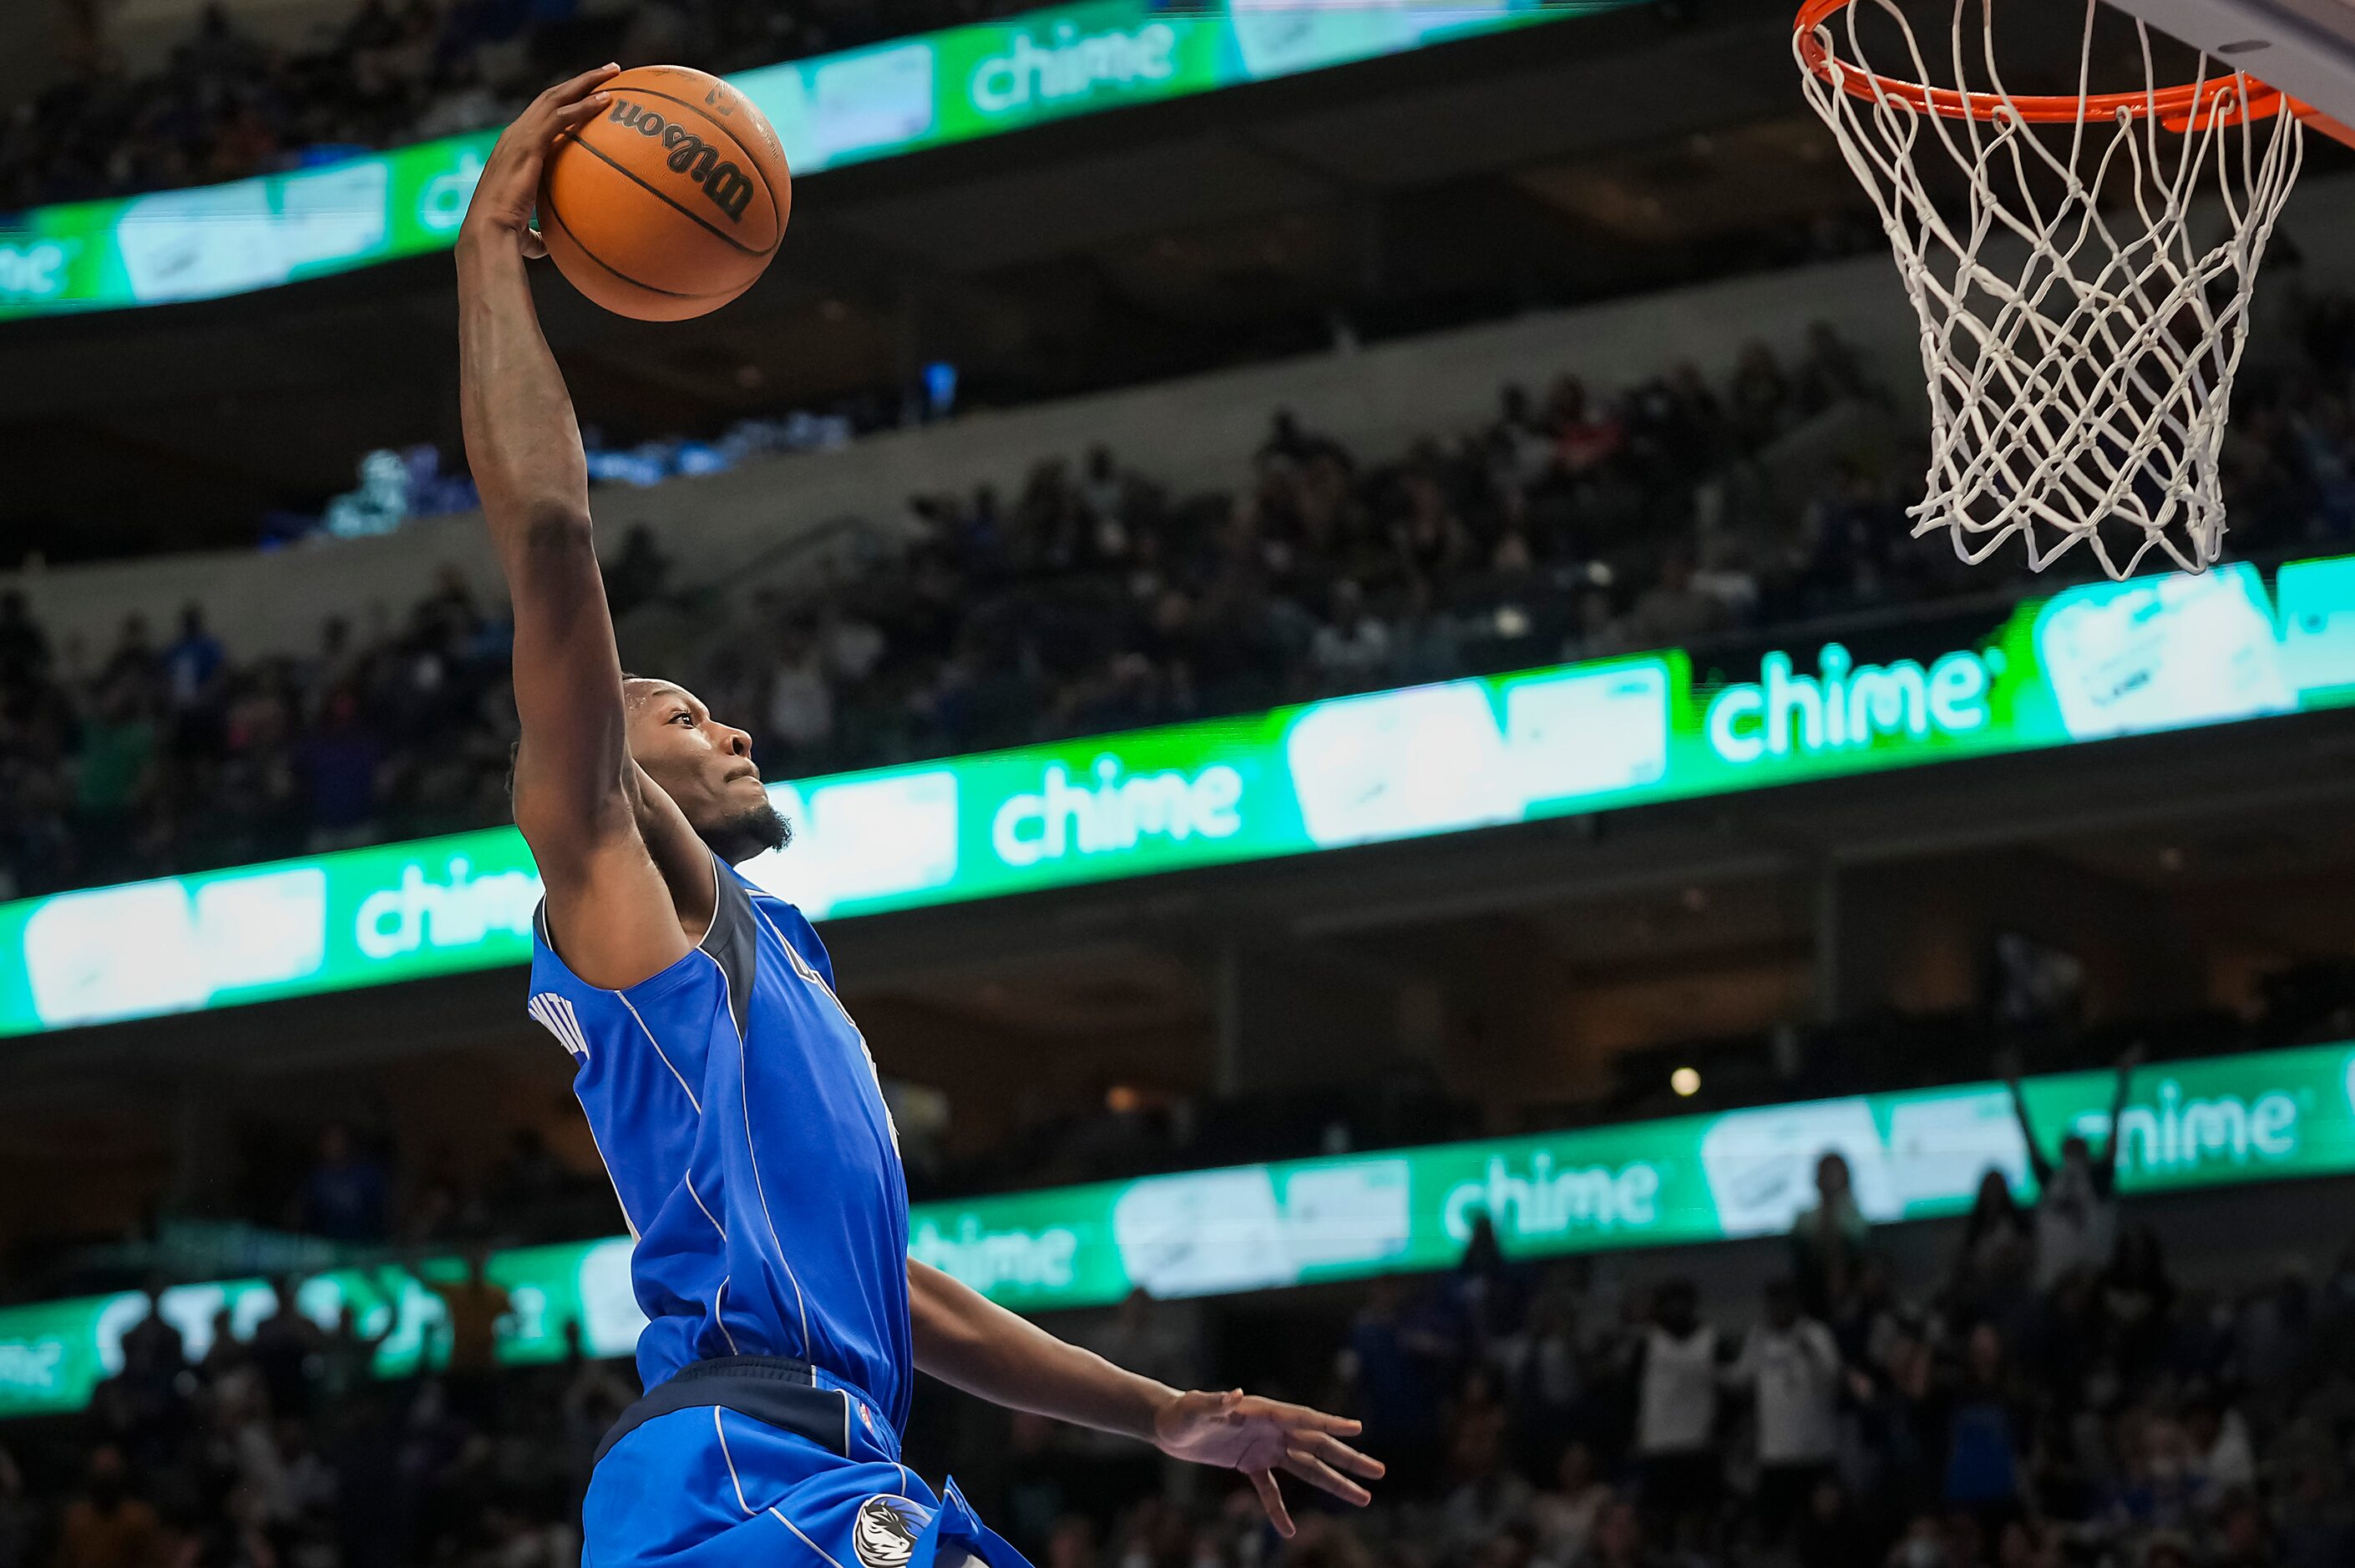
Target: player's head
{"type": "Point", "coordinates": [703, 765]}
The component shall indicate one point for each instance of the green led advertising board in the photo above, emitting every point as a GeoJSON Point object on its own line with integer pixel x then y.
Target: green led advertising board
{"type": "Point", "coordinates": [927, 90]}
{"type": "Point", "coordinates": [2154, 654]}
{"type": "Point", "coordinates": [2262, 1116]}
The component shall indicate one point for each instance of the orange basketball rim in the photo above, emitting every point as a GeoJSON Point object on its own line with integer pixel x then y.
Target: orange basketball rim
{"type": "Point", "coordinates": [2188, 107]}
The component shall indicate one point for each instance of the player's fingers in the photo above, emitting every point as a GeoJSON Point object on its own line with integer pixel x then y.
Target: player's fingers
{"type": "Point", "coordinates": [572, 116]}
{"type": "Point", "coordinates": [580, 85]}
{"type": "Point", "coordinates": [1339, 1455]}
{"type": "Point", "coordinates": [1324, 1478]}
{"type": "Point", "coordinates": [1271, 1497]}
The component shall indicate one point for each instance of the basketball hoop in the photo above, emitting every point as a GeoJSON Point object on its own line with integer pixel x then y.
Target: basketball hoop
{"type": "Point", "coordinates": [2080, 342]}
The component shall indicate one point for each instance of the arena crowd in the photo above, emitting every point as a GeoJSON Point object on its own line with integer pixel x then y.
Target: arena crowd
{"type": "Point", "coordinates": [227, 104]}
{"type": "Point", "coordinates": [2050, 1394]}
{"type": "Point", "coordinates": [1574, 522]}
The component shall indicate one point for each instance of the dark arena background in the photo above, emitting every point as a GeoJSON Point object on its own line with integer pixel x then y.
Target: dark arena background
{"type": "Point", "coordinates": [1328, 591]}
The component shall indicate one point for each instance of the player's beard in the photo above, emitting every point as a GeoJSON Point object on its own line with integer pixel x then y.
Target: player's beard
{"type": "Point", "coordinates": [753, 831]}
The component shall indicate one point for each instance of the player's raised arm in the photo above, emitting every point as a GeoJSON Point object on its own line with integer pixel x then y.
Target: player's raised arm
{"type": "Point", "coordinates": [577, 791]}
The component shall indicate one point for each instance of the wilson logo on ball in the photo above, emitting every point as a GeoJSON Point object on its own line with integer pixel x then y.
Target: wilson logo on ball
{"type": "Point", "coordinates": [728, 188]}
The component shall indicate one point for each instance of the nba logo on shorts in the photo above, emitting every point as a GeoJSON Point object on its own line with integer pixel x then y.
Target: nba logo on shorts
{"type": "Point", "coordinates": [887, 1528]}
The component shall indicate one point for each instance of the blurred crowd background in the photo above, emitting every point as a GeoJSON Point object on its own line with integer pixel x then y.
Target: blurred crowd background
{"type": "Point", "coordinates": [1577, 522]}
{"type": "Point", "coordinates": [2037, 1389]}
{"type": "Point", "coordinates": [228, 103]}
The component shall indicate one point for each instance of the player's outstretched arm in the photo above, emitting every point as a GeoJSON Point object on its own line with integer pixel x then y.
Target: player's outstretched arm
{"type": "Point", "coordinates": [577, 791]}
{"type": "Point", "coordinates": [971, 1343]}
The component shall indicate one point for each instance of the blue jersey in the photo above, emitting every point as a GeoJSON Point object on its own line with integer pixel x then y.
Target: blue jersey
{"type": "Point", "coordinates": [739, 1112]}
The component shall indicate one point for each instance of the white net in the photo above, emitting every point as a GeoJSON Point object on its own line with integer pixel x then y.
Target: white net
{"type": "Point", "coordinates": [2080, 341]}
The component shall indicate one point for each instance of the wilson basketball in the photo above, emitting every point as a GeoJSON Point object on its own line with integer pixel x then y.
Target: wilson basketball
{"type": "Point", "coordinates": [672, 202]}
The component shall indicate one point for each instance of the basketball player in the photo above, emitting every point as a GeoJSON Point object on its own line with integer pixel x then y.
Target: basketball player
{"type": "Point", "coordinates": [732, 1099]}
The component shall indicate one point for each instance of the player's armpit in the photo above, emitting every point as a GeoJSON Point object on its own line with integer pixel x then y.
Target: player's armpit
{"type": "Point", "coordinates": [610, 915]}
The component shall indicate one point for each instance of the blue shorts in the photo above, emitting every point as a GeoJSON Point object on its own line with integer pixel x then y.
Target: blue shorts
{"type": "Point", "coordinates": [811, 1477]}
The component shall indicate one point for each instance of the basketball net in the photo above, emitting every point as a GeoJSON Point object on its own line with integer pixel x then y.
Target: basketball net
{"type": "Point", "coordinates": [2080, 342]}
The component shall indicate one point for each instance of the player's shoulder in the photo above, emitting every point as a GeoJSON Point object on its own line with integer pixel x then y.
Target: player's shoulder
{"type": "Point", "coordinates": [562, 998]}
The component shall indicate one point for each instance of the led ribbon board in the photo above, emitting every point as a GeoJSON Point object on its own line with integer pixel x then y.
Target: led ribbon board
{"type": "Point", "coordinates": [881, 102]}
{"type": "Point", "coordinates": [2136, 658]}
{"type": "Point", "coordinates": [1918, 1155]}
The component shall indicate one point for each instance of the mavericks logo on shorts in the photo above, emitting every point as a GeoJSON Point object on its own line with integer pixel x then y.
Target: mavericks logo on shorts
{"type": "Point", "coordinates": [886, 1531]}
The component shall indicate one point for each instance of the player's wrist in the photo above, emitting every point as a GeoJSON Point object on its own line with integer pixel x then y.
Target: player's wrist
{"type": "Point", "coordinates": [474, 249]}
{"type": "Point", "coordinates": [483, 237]}
{"type": "Point", "coordinates": [1162, 1415]}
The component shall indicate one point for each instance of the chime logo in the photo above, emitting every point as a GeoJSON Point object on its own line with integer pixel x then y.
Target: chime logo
{"type": "Point", "coordinates": [1113, 811]}
{"type": "Point", "coordinates": [1072, 65]}
{"type": "Point", "coordinates": [1848, 706]}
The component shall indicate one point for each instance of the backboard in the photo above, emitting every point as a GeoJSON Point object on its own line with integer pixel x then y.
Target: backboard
{"type": "Point", "coordinates": [2305, 47]}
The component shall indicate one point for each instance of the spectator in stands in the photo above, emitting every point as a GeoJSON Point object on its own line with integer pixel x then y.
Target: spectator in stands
{"type": "Point", "coordinates": [115, 755]}
{"type": "Point", "coordinates": [106, 1527]}
{"type": "Point", "coordinates": [1760, 394]}
{"type": "Point", "coordinates": [1620, 1541]}
{"type": "Point", "coordinates": [1989, 1420]}
{"type": "Point", "coordinates": [1673, 612]}
{"type": "Point", "coordinates": [193, 664]}
{"type": "Point", "coordinates": [638, 572]}
{"type": "Point", "coordinates": [1584, 442]}
{"type": "Point", "coordinates": [1831, 1532]}
{"type": "Point", "coordinates": [1996, 1257]}
{"type": "Point", "coordinates": [24, 646]}
{"type": "Point", "coordinates": [1410, 1346]}
{"type": "Point", "coordinates": [528, 1181]}
{"type": "Point", "coordinates": [347, 1354]}
{"type": "Point", "coordinates": [1676, 1366]}
{"type": "Point", "coordinates": [347, 1196]}
{"type": "Point", "coordinates": [340, 764]}
{"type": "Point", "coordinates": [2136, 1299]}
{"type": "Point", "coordinates": [1828, 1242]}
{"type": "Point", "coordinates": [18, 1516]}
{"type": "Point", "coordinates": [476, 1313]}
{"type": "Point", "coordinates": [800, 708]}
{"type": "Point", "coordinates": [153, 1349]}
{"type": "Point", "coordinates": [2076, 1202]}
{"type": "Point", "coordinates": [226, 1355]}
{"type": "Point", "coordinates": [284, 1346]}
{"type": "Point", "coordinates": [1792, 1366]}
{"type": "Point", "coordinates": [1830, 373]}
{"type": "Point", "coordinates": [1488, 1495]}
{"type": "Point", "coordinates": [1352, 647]}
{"type": "Point", "coordinates": [1566, 1514]}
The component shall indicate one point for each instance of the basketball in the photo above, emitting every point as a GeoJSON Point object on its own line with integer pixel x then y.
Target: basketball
{"type": "Point", "coordinates": [672, 202]}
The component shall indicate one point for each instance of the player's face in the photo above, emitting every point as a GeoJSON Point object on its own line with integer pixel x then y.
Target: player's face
{"type": "Point", "coordinates": [704, 766]}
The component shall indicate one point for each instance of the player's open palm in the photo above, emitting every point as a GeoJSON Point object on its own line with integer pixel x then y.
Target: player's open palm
{"type": "Point", "coordinates": [504, 196]}
{"type": "Point", "coordinates": [1239, 1431]}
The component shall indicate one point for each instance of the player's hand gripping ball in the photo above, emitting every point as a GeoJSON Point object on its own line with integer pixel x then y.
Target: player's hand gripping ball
{"type": "Point", "coordinates": [670, 200]}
